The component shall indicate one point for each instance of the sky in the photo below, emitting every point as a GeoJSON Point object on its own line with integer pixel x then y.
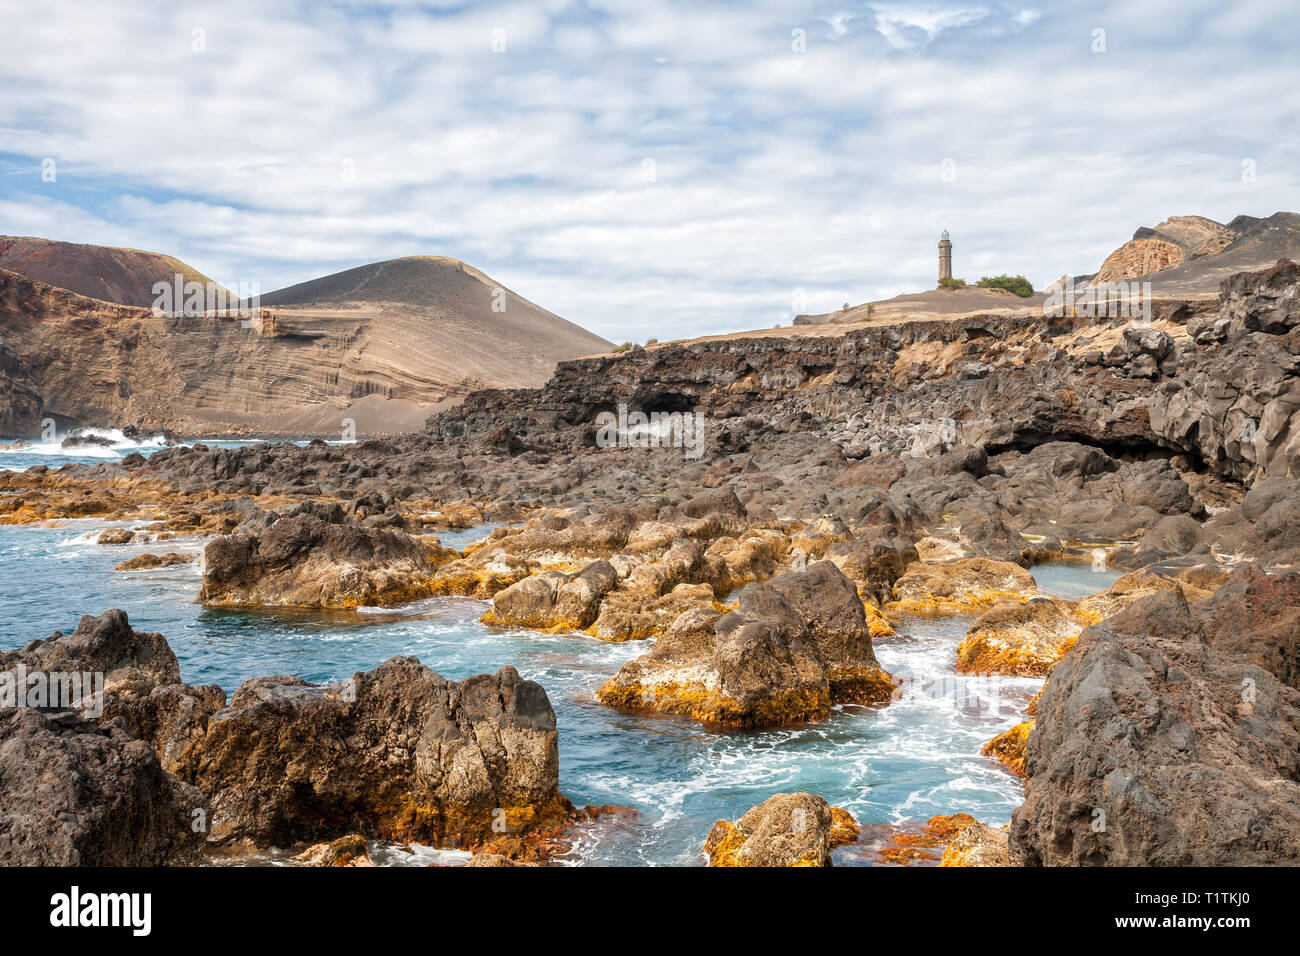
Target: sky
{"type": "Point", "coordinates": [643, 168]}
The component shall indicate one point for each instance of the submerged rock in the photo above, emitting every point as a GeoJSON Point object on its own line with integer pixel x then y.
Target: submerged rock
{"type": "Point", "coordinates": [912, 845]}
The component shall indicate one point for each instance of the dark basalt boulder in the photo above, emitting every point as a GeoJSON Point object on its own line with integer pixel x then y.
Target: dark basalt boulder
{"type": "Point", "coordinates": [397, 752]}
{"type": "Point", "coordinates": [159, 767]}
{"type": "Point", "coordinates": [75, 793]}
{"type": "Point", "coordinates": [1170, 736]}
{"type": "Point", "coordinates": [963, 458]}
{"type": "Point", "coordinates": [131, 662]}
{"type": "Point", "coordinates": [797, 644]}
{"type": "Point", "coordinates": [317, 555]}
{"type": "Point", "coordinates": [1264, 301]}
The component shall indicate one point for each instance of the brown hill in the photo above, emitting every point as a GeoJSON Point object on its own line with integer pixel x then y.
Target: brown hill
{"type": "Point", "coordinates": [461, 324]}
{"type": "Point", "coordinates": [124, 276]}
{"type": "Point", "coordinates": [295, 371]}
{"type": "Point", "coordinates": [932, 303]}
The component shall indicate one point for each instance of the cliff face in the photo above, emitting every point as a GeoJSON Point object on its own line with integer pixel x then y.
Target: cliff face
{"type": "Point", "coordinates": [1137, 258]}
{"type": "Point", "coordinates": [300, 371]}
{"type": "Point", "coordinates": [1202, 380]}
{"type": "Point", "coordinates": [1190, 255]}
{"type": "Point", "coordinates": [20, 399]}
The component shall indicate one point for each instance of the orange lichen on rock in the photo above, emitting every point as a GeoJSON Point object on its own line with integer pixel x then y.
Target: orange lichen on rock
{"type": "Point", "coordinates": [877, 624]}
{"type": "Point", "coordinates": [945, 828]}
{"type": "Point", "coordinates": [795, 647]}
{"type": "Point", "coordinates": [459, 579]}
{"type": "Point", "coordinates": [1009, 747]}
{"type": "Point", "coordinates": [959, 587]}
{"type": "Point", "coordinates": [786, 830]}
{"type": "Point", "coordinates": [979, 845]}
{"type": "Point", "coordinates": [1095, 608]}
{"type": "Point", "coordinates": [908, 846]}
{"type": "Point", "coordinates": [844, 829]}
{"type": "Point", "coordinates": [1031, 708]}
{"type": "Point", "coordinates": [351, 850]}
{"type": "Point", "coordinates": [528, 840]}
{"type": "Point", "coordinates": [1017, 640]}
{"type": "Point", "coordinates": [39, 495]}
{"type": "Point", "coordinates": [697, 701]}
{"type": "Point", "coordinates": [904, 855]}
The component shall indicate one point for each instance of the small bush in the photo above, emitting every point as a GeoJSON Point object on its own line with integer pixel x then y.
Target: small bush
{"type": "Point", "coordinates": [626, 346]}
{"type": "Point", "coordinates": [1017, 284]}
{"type": "Point", "coordinates": [948, 282]}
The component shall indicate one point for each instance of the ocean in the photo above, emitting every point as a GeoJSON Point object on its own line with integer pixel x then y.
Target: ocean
{"type": "Point", "coordinates": [903, 763]}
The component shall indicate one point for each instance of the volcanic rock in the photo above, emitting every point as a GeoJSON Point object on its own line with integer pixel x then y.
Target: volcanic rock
{"type": "Point", "coordinates": [788, 829]}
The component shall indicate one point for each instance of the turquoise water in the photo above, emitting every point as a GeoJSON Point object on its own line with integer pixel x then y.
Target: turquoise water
{"type": "Point", "coordinates": [908, 761]}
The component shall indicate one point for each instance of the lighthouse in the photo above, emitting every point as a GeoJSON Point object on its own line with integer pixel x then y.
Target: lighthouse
{"type": "Point", "coordinates": [945, 256]}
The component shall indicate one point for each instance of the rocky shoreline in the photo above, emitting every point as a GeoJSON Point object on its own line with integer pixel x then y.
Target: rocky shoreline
{"type": "Point", "coordinates": [849, 484]}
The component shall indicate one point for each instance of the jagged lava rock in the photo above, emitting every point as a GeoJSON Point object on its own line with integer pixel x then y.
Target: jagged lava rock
{"type": "Point", "coordinates": [396, 752]}
{"type": "Point", "coordinates": [1163, 738]}
{"type": "Point", "coordinates": [131, 662]}
{"type": "Point", "coordinates": [788, 829]}
{"type": "Point", "coordinates": [74, 793]}
{"type": "Point", "coordinates": [796, 645]}
{"type": "Point", "coordinates": [1019, 640]}
{"type": "Point", "coordinates": [315, 555]}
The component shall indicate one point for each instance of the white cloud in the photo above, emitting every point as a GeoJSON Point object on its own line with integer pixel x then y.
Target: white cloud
{"type": "Point", "coordinates": [304, 140]}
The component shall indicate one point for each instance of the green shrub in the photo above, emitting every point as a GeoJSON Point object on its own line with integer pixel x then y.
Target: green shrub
{"type": "Point", "coordinates": [1017, 284]}
{"type": "Point", "coordinates": [626, 346]}
{"type": "Point", "coordinates": [948, 282]}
